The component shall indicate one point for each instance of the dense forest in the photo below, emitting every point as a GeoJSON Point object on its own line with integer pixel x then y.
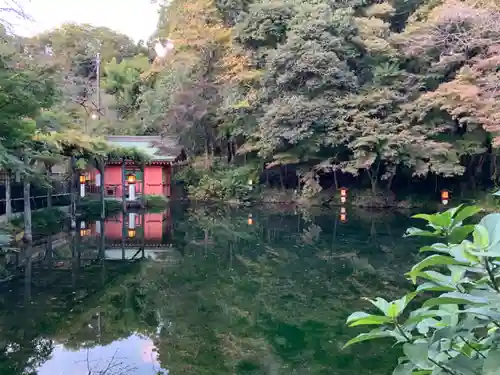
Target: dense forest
{"type": "Point", "coordinates": [383, 91]}
{"type": "Point", "coordinates": [308, 95]}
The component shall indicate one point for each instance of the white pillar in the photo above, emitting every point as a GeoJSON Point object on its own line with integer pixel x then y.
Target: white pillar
{"type": "Point", "coordinates": [82, 190]}
{"type": "Point", "coordinates": [131, 192]}
{"type": "Point", "coordinates": [131, 221]}
{"type": "Point", "coordinates": [98, 179]}
{"type": "Point", "coordinates": [98, 226]}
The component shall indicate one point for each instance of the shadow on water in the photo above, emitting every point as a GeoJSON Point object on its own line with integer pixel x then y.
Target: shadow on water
{"type": "Point", "coordinates": [202, 290]}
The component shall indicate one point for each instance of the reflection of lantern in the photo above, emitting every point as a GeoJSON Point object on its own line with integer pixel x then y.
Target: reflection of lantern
{"type": "Point", "coordinates": [131, 233]}
{"type": "Point", "coordinates": [445, 197]}
{"type": "Point", "coordinates": [250, 219]}
{"type": "Point", "coordinates": [131, 179]}
{"type": "Point", "coordinates": [343, 214]}
{"type": "Point", "coordinates": [343, 195]}
{"type": "Point", "coordinates": [82, 179]}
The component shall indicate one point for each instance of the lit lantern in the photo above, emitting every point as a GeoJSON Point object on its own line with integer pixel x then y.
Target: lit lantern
{"type": "Point", "coordinates": [82, 179]}
{"type": "Point", "coordinates": [343, 195]}
{"type": "Point", "coordinates": [343, 214]}
{"type": "Point", "coordinates": [87, 176]}
{"type": "Point", "coordinates": [131, 233]}
{"type": "Point", "coordinates": [250, 219]}
{"type": "Point", "coordinates": [445, 197]}
{"type": "Point", "coordinates": [131, 179]}
{"type": "Point", "coordinates": [84, 232]}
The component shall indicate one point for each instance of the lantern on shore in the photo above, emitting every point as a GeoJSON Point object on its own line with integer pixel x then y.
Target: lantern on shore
{"type": "Point", "coordinates": [445, 197]}
{"type": "Point", "coordinates": [131, 232]}
{"type": "Point", "coordinates": [343, 195]}
{"type": "Point", "coordinates": [343, 215]}
{"type": "Point", "coordinates": [131, 186]}
{"type": "Point", "coordinates": [83, 179]}
{"type": "Point", "coordinates": [131, 179]}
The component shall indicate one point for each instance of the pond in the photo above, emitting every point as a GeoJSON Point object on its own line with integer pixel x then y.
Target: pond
{"type": "Point", "coordinates": [203, 290]}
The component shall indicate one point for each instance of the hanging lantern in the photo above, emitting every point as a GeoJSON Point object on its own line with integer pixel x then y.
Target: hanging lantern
{"type": "Point", "coordinates": [343, 214]}
{"type": "Point", "coordinates": [250, 219]}
{"type": "Point", "coordinates": [87, 176]}
{"type": "Point", "coordinates": [131, 179]}
{"type": "Point", "coordinates": [343, 194]}
{"type": "Point", "coordinates": [131, 233]}
{"type": "Point", "coordinates": [445, 197]}
{"type": "Point", "coordinates": [82, 179]}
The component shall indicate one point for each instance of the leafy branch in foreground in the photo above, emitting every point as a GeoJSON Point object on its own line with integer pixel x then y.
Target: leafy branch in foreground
{"type": "Point", "coordinates": [456, 330]}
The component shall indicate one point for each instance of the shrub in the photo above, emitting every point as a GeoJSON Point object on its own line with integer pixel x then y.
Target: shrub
{"type": "Point", "coordinates": [92, 207]}
{"type": "Point", "coordinates": [223, 184]}
{"type": "Point", "coordinates": [155, 201]}
{"type": "Point", "coordinates": [46, 220]}
{"type": "Point", "coordinates": [456, 330]}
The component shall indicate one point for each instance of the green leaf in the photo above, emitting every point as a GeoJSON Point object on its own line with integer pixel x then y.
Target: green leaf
{"type": "Point", "coordinates": [380, 304]}
{"type": "Point", "coordinates": [492, 224]}
{"type": "Point", "coordinates": [481, 238]}
{"type": "Point", "coordinates": [465, 213]}
{"type": "Point", "coordinates": [404, 369]}
{"type": "Point", "coordinates": [459, 234]}
{"type": "Point", "coordinates": [422, 233]}
{"type": "Point", "coordinates": [437, 247]}
{"type": "Point", "coordinates": [418, 355]}
{"type": "Point", "coordinates": [491, 364]}
{"type": "Point", "coordinates": [432, 287]}
{"type": "Point", "coordinates": [464, 365]}
{"type": "Point", "coordinates": [455, 298]}
{"type": "Point", "coordinates": [368, 336]}
{"type": "Point", "coordinates": [432, 261]}
{"type": "Point", "coordinates": [361, 318]}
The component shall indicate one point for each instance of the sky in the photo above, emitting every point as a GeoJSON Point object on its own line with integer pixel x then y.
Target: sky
{"type": "Point", "coordinates": [135, 18]}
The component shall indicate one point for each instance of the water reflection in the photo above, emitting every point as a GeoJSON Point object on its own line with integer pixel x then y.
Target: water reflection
{"type": "Point", "coordinates": [201, 291]}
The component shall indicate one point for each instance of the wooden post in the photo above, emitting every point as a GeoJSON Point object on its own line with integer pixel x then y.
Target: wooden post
{"type": "Point", "coordinates": [48, 173]}
{"type": "Point", "coordinates": [169, 181]}
{"type": "Point", "coordinates": [101, 168]}
{"type": "Point", "coordinates": [124, 202]}
{"type": "Point", "coordinates": [143, 183]}
{"type": "Point", "coordinates": [73, 180]}
{"type": "Point", "coordinates": [124, 234]}
{"type": "Point", "coordinates": [8, 195]}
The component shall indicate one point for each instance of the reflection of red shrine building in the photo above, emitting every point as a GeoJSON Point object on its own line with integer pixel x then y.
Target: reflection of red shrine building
{"type": "Point", "coordinates": [137, 235]}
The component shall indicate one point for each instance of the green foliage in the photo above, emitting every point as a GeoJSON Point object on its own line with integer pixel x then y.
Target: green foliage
{"type": "Point", "coordinates": [45, 221]}
{"type": "Point", "coordinates": [91, 208]}
{"type": "Point", "coordinates": [455, 331]}
{"type": "Point", "coordinates": [220, 183]}
{"type": "Point", "coordinates": [155, 201]}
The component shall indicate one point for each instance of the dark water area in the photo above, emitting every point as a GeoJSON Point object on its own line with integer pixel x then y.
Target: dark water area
{"type": "Point", "coordinates": [203, 290]}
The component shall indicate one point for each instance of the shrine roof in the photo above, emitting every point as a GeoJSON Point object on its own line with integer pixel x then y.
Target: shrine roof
{"type": "Point", "coordinates": [156, 147]}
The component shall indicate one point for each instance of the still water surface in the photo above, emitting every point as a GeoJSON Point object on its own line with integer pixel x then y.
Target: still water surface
{"type": "Point", "coordinates": [203, 290]}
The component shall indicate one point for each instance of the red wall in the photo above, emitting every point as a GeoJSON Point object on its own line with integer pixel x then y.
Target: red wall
{"type": "Point", "coordinates": [157, 180]}
{"type": "Point", "coordinates": [153, 176]}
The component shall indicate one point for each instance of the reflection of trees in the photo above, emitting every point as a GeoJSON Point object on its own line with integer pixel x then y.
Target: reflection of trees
{"type": "Point", "coordinates": [271, 297]}
{"type": "Point", "coordinates": [259, 297]}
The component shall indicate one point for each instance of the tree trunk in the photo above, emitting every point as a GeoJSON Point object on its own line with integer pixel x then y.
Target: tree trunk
{"type": "Point", "coordinates": [73, 192]}
{"type": "Point", "coordinates": [49, 189]}
{"type": "Point", "coordinates": [28, 232]}
{"type": "Point", "coordinates": [8, 196]}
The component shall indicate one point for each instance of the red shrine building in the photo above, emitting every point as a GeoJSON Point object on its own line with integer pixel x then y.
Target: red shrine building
{"type": "Point", "coordinates": [155, 179]}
